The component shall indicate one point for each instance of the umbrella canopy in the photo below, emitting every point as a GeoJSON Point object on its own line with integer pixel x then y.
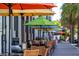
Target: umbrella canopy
{"type": "Point", "coordinates": [56, 22]}
{"type": "Point", "coordinates": [28, 12]}
{"type": "Point", "coordinates": [33, 6]}
{"type": "Point", "coordinates": [21, 6]}
{"type": "Point", "coordinates": [40, 21]}
{"type": "Point", "coordinates": [47, 28]}
{"type": "Point", "coordinates": [44, 27]}
{"type": "Point", "coordinates": [61, 33]}
{"type": "Point", "coordinates": [58, 29]}
{"type": "Point", "coordinates": [18, 9]}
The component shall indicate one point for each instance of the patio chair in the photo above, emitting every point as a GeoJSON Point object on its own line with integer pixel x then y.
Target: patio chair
{"type": "Point", "coordinates": [46, 52]}
{"type": "Point", "coordinates": [31, 52]}
{"type": "Point", "coordinates": [42, 49]}
{"type": "Point", "coordinates": [34, 47]}
{"type": "Point", "coordinates": [51, 45]}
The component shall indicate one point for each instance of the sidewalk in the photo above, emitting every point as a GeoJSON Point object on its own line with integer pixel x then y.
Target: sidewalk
{"type": "Point", "coordinates": [65, 49]}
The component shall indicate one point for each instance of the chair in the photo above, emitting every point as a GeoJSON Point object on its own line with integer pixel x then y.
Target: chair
{"type": "Point", "coordinates": [34, 47]}
{"type": "Point", "coordinates": [51, 45]}
{"type": "Point", "coordinates": [46, 52]}
{"type": "Point", "coordinates": [41, 50]}
{"type": "Point", "coordinates": [31, 52]}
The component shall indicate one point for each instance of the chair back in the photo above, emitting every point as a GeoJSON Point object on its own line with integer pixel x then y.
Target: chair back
{"type": "Point", "coordinates": [42, 50]}
{"type": "Point", "coordinates": [46, 52]}
{"type": "Point", "coordinates": [31, 52]}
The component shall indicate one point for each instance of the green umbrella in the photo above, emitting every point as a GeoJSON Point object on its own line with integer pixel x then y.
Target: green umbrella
{"type": "Point", "coordinates": [58, 29]}
{"type": "Point", "coordinates": [40, 21]}
{"type": "Point", "coordinates": [56, 22]}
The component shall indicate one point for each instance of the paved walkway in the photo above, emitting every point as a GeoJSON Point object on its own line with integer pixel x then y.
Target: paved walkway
{"type": "Point", "coordinates": [65, 49]}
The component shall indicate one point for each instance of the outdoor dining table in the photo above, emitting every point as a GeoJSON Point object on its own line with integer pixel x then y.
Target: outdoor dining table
{"type": "Point", "coordinates": [38, 44]}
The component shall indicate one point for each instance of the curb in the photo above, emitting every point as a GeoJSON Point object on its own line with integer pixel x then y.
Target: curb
{"type": "Point", "coordinates": [75, 46]}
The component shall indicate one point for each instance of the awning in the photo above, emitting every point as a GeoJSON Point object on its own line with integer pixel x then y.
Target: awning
{"type": "Point", "coordinates": [28, 12]}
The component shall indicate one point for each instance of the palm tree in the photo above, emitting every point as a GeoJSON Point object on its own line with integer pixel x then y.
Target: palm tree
{"type": "Point", "coordinates": [68, 16]}
{"type": "Point", "coordinates": [77, 15]}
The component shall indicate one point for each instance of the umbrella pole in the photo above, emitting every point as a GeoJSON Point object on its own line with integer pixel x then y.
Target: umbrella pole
{"type": "Point", "coordinates": [2, 35]}
{"type": "Point", "coordinates": [43, 34]}
{"type": "Point", "coordinates": [40, 31]}
{"type": "Point", "coordinates": [33, 33]}
{"type": "Point", "coordinates": [27, 32]}
{"type": "Point", "coordinates": [48, 35]}
{"type": "Point", "coordinates": [9, 33]}
{"type": "Point", "coordinates": [22, 29]}
{"type": "Point", "coordinates": [5, 35]}
{"type": "Point", "coordinates": [10, 12]}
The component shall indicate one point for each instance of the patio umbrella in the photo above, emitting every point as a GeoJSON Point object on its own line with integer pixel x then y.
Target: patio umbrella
{"type": "Point", "coordinates": [61, 33]}
{"type": "Point", "coordinates": [43, 24]}
{"type": "Point", "coordinates": [40, 21]}
{"type": "Point", "coordinates": [44, 27]}
{"type": "Point", "coordinates": [16, 7]}
{"type": "Point", "coordinates": [56, 22]}
{"type": "Point", "coordinates": [28, 12]}
{"type": "Point", "coordinates": [27, 9]}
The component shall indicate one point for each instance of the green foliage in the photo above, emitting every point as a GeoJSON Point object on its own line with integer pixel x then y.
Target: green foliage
{"type": "Point", "coordinates": [70, 11]}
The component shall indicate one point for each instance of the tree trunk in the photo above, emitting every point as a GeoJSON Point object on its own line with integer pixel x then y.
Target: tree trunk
{"type": "Point", "coordinates": [71, 28]}
{"type": "Point", "coordinates": [78, 30]}
{"type": "Point", "coordinates": [72, 34]}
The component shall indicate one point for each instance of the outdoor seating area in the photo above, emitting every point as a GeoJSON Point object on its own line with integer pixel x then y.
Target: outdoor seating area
{"type": "Point", "coordinates": [39, 49]}
{"type": "Point", "coordinates": [24, 20]}
{"type": "Point", "coordinates": [28, 29]}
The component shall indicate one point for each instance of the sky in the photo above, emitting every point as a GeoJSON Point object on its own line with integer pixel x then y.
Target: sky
{"type": "Point", "coordinates": [58, 11]}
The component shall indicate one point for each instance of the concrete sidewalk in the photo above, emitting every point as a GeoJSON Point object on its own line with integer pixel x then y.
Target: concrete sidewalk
{"type": "Point", "coordinates": [65, 49]}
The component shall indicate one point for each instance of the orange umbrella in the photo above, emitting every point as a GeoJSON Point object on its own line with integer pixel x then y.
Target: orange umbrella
{"type": "Point", "coordinates": [28, 12]}
{"type": "Point", "coordinates": [61, 33]}
{"type": "Point", "coordinates": [18, 6]}
{"type": "Point", "coordinates": [33, 6]}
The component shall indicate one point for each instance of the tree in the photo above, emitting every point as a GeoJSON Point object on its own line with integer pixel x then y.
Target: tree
{"type": "Point", "coordinates": [68, 17]}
